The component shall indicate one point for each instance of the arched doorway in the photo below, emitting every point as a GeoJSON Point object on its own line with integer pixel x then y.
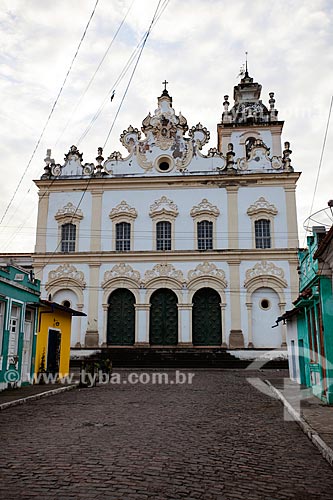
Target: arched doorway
{"type": "Point", "coordinates": [121, 318]}
{"type": "Point", "coordinates": [163, 324]}
{"type": "Point", "coordinates": [206, 318]}
{"type": "Point", "coordinates": [265, 311]}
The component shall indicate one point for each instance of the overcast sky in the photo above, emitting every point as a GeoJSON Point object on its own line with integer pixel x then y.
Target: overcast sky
{"type": "Point", "coordinates": [197, 45]}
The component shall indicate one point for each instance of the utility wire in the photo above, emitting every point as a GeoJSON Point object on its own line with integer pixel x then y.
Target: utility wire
{"type": "Point", "coordinates": [95, 73]}
{"type": "Point", "coordinates": [120, 77]}
{"type": "Point", "coordinates": [50, 114]}
{"type": "Point", "coordinates": [132, 74]}
{"type": "Point", "coordinates": [321, 158]}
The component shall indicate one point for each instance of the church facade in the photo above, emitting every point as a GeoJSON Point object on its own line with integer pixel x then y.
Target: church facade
{"type": "Point", "coordinates": [167, 246]}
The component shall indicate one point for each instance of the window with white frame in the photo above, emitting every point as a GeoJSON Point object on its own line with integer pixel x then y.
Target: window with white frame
{"type": "Point", "coordinates": [123, 236]}
{"type": "Point", "coordinates": [14, 326]}
{"type": "Point", "coordinates": [2, 320]}
{"type": "Point", "coordinates": [262, 229]}
{"type": "Point", "coordinates": [68, 219]}
{"type": "Point", "coordinates": [205, 235]}
{"type": "Point", "coordinates": [68, 237]}
{"type": "Point", "coordinates": [163, 235]}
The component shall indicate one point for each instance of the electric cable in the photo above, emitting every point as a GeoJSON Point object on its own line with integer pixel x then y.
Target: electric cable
{"type": "Point", "coordinates": [50, 114]}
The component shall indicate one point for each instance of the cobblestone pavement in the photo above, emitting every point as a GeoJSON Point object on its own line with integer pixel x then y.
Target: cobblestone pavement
{"type": "Point", "coordinates": [218, 438]}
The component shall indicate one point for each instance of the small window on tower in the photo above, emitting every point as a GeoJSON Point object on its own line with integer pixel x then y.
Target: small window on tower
{"type": "Point", "coordinates": [248, 146]}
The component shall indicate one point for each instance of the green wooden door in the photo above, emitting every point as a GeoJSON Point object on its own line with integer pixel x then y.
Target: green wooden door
{"type": "Point", "coordinates": [163, 325]}
{"type": "Point", "coordinates": [121, 318]}
{"type": "Point", "coordinates": [206, 318]}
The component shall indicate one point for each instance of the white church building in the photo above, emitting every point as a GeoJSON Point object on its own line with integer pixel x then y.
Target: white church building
{"type": "Point", "coordinates": [163, 245]}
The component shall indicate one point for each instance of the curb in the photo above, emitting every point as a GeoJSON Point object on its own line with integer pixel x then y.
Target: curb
{"type": "Point", "coordinates": [41, 395]}
{"type": "Point", "coordinates": [313, 435]}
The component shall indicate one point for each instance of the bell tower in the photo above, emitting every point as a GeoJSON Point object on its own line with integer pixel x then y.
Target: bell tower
{"type": "Point", "coordinates": [249, 120]}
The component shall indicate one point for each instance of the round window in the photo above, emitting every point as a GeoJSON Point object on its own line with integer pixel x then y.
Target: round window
{"type": "Point", "coordinates": [66, 303]}
{"type": "Point", "coordinates": [265, 304]}
{"type": "Point", "coordinates": [164, 164]}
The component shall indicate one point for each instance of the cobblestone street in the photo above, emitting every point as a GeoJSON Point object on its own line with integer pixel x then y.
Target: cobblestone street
{"type": "Point", "coordinates": [217, 438]}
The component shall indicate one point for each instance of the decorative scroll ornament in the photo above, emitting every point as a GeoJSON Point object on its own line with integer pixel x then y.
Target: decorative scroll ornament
{"type": "Point", "coordinates": [164, 271]}
{"type": "Point", "coordinates": [200, 135]}
{"type": "Point", "coordinates": [163, 206]}
{"type": "Point", "coordinates": [123, 210]}
{"type": "Point", "coordinates": [262, 206]}
{"type": "Point", "coordinates": [277, 163]}
{"type": "Point", "coordinates": [207, 269]}
{"type": "Point", "coordinates": [121, 271]}
{"type": "Point", "coordinates": [214, 152]}
{"type": "Point", "coordinates": [205, 208]}
{"type": "Point", "coordinates": [69, 211]}
{"type": "Point", "coordinates": [265, 269]}
{"type": "Point", "coordinates": [116, 156]}
{"type": "Point", "coordinates": [130, 137]}
{"type": "Point", "coordinates": [67, 272]}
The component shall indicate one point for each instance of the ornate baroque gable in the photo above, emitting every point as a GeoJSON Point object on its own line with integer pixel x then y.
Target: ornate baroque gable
{"type": "Point", "coordinates": [207, 269]}
{"type": "Point", "coordinates": [205, 208]}
{"type": "Point", "coordinates": [265, 269]}
{"type": "Point", "coordinates": [121, 271]}
{"type": "Point", "coordinates": [123, 210]}
{"type": "Point", "coordinates": [66, 272]}
{"type": "Point", "coordinates": [163, 206]}
{"type": "Point", "coordinates": [69, 211]}
{"type": "Point", "coordinates": [262, 206]}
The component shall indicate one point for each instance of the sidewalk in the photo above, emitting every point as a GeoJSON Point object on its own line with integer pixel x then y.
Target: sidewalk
{"type": "Point", "coordinates": [312, 415]}
{"type": "Point", "coordinates": [21, 395]}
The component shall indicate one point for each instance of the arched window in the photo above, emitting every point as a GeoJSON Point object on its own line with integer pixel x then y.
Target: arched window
{"type": "Point", "coordinates": [205, 235]}
{"type": "Point", "coordinates": [163, 235]}
{"type": "Point", "coordinates": [248, 146]}
{"type": "Point", "coordinates": [68, 237]}
{"type": "Point", "coordinates": [123, 236]}
{"type": "Point", "coordinates": [262, 229]}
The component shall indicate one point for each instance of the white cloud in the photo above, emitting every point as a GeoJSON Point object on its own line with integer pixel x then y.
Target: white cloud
{"type": "Point", "coordinates": [197, 46]}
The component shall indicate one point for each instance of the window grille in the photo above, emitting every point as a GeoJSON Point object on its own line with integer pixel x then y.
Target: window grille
{"type": "Point", "coordinates": [205, 235]}
{"type": "Point", "coordinates": [163, 235]}
{"type": "Point", "coordinates": [262, 233]}
{"type": "Point", "coordinates": [68, 237]}
{"type": "Point", "coordinates": [123, 236]}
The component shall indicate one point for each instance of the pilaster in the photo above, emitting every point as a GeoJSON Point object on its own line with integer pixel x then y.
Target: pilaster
{"type": "Point", "coordinates": [232, 196]}
{"type": "Point", "coordinates": [41, 230]}
{"type": "Point", "coordinates": [92, 337]}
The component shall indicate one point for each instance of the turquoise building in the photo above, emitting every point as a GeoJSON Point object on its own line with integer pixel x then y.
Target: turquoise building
{"type": "Point", "coordinates": [19, 302]}
{"type": "Point", "coordinates": [310, 323]}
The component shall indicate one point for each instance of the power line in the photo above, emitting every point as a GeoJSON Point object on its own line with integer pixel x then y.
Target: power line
{"type": "Point", "coordinates": [95, 73]}
{"type": "Point", "coordinates": [50, 114]}
{"type": "Point", "coordinates": [321, 158]}
{"type": "Point", "coordinates": [120, 77]}
{"type": "Point", "coordinates": [132, 74]}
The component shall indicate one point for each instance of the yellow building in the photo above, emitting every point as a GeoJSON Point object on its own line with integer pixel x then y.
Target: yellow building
{"type": "Point", "coordinates": [54, 338]}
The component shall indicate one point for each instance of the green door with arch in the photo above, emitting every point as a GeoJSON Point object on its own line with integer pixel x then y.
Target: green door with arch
{"type": "Point", "coordinates": [121, 318]}
{"type": "Point", "coordinates": [163, 319]}
{"type": "Point", "coordinates": [206, 318]}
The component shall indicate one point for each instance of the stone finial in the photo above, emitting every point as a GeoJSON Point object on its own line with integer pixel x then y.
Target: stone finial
{"type": "Point", "coordinates": [230, 156]}
{"type": "Point", "coordinates": [226, 103]}
{"type": "Point", "coordinates": [271, 100]}
{"type": "Point", "coordinates": [99, 159]}
{"type": "Point", "coordinates": [48, 162]}
{"type": "Point", "coordinates": [286, 157]}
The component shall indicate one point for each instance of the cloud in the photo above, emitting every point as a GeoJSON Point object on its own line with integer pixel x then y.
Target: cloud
{"type": "Point", "coordinates": [197, 46]}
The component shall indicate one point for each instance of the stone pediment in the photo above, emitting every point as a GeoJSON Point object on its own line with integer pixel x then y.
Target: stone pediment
{"type": "Point", "coordinates": [262, 206]}
{"type": "Point", "coordinates": [121, 270]}
{"type": "Point", "coordinates": [164, 270]}
{"type": "Point", "coordinates": [68, 212]}
{"type": "Point", "coordinates": [123, 210]}
{"type": "Point", "coordinates": [265, 269]}
{"type": "Point", "coordinates": [163, 206]}
{"type": "Point", "coordinates": [208, 269]}
{"type": "Point", "coordinates": [66, 272]}
{"type": "Point", "coordinates": [205, 208]}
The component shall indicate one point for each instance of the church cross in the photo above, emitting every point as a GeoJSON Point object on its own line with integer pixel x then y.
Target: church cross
{"type": "Point", "coordinates": [165, 84]}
